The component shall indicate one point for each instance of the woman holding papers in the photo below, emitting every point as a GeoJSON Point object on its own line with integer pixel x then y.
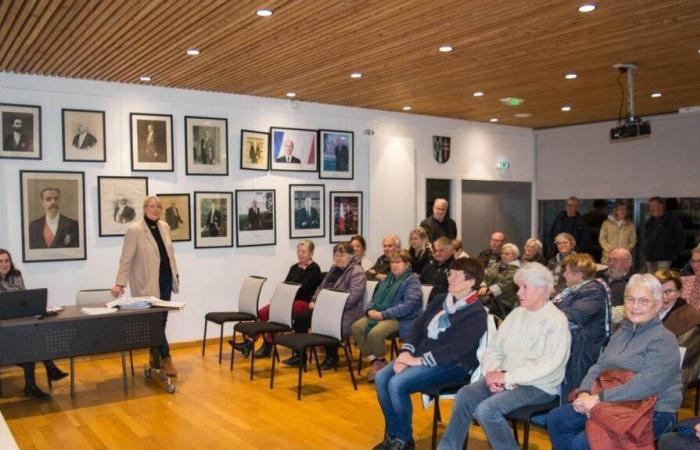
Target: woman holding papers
{"type": "Point", "coordinates": [148, 264]}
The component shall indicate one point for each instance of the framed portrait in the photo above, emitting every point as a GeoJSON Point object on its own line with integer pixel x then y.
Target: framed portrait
{"type": "Point", "coordinates": [213, 219]}
{"type": "Point", "coordinates": [206, 146]}
{"type": "Point", "coordinates": [20, 128]}
{"type": "Point", "coordinates": [307, 210]}
{"type": "Point", "coordinates": [345, 215]}
{"type": "Point", "coordinates": [151, 142]}
{"type": "Point", "coordinates": [293, 149]}
{"type": "Point", "coordinates": [83, 135]}
{"type": "Point", "coordinates": [255, 217]}
{"type": "Point", "coordinates": [176, 213]}
{"type": "Point", "coordinates": [338, 154]}
{"type": "Point", "coordinates": [53, 215]}
{"type": "Point", "coordinates": [254, 150]}
{"type": "Point", "coordinates": [120, 203]}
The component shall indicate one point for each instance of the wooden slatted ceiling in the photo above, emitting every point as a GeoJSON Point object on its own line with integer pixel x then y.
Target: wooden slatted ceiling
{"type": "Point", "coordinates": [504, 48]}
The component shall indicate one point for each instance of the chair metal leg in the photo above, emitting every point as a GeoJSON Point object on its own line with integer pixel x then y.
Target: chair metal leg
{"type": "Point", "coordinates": [515, 431]}
{"type": "Point", "coordinates": [72, 377]}
{"type": "Point", "coordinates": [131, 360]}
{"type": "Point", "coordinates": [301, 371]}
{"type": "Point", "coordinates": [233, 352]}
{"type": "Point", "coordinates": [126, 384]}
{"type": "Point", "coordinates": [275, 357]}
{"type": "Point", "coordinates": [526, 435]}
{"type": "Point", "coordinates": [252, 355]}
{"type": "Point", "coordinates": [221, 341]}
{"type": "Point", "coordinates": [48, 380]}
{"type": "Point", "coordinates": [346, 349]}
{"type": "Point", "coordinates": [436, 415]}
{"type": "Point", "coordinates": [318, 366]}
{"type": "Point", "coordinates": [697, 396]}
{"type": "Point", "coordinates": [359, 364]}
{"type": "Point", "coordinates": [204, 338]}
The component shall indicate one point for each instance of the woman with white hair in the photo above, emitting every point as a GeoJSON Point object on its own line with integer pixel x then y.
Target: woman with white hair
{"type": "Point", "coordinates": [498, 289]}
{"type": "Point", "coordinates": [523, 365]}
{"type": "Point", "coordinates": [566, 244]}
{"type": "Point", "coordinates": [532, 252]}
{"type": "Point", "coordinates": [643, 346]}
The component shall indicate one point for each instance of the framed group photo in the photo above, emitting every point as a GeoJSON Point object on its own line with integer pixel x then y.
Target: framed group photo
{"type": "Point", "coordinates": [206, 146]}
{"type": "Point", "coordinates": [338, 154]}
{"type": "Point", "coordinates": [151, 142]}
{"type": "Point", "coordinates": [213, 219]}
{"type": "Point", "coordinates": [119, 203]}
{"type": "Point", "coordinates": [293, 149]}
{"type": "Point", "coordinates": [255, 150]}
{"type": "Point", "coordinates": [53, 215]}
{"type": "Point", "coordinates": [20, 129]}
{"type": "Point", "coordinates": [345, 215]}
{"type": "Point", "coordinates": [307, 210]}
{"type": "Point", "coordinates": [176, 213]}
{"type": "Point", "coordinates": [83, 135]}
{"type": "Point", "coordinates": [255, 218]}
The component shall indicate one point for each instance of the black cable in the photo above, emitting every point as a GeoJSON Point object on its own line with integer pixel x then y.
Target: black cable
{"type": "Point", "coordinates": [622, 96]}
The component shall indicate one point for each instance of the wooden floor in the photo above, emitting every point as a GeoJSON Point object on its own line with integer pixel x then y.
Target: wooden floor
{"type": "Point", "coordinates": [212, 409]}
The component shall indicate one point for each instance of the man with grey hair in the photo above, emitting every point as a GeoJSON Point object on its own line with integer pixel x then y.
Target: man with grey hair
{"type": "Point", "coordinates": [439, 225]}
{"type": "Point", "coordinates": [617, 274]}
{"type": "Point", "coordinates": [492, 255]}
{"type": "Point", "coordinates": [381, 267]}
{"type": "Point", "coordinates": [435, 272]}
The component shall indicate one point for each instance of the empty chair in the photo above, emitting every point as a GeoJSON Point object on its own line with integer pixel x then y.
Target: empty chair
{"type": "Point", "coordinates": [369, 292]}
{"type": "Point", "coordinates": [427, 289]}
{"type": "Point", "coordinates": [248, 299]}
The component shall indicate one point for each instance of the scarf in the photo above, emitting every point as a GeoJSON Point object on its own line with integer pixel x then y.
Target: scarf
{"type": "Point", "coordinates": [441, 321]}
{"type": "Point", "coordinates": [384, 296]}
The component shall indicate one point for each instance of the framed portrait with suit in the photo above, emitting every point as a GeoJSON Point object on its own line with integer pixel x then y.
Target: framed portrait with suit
{"type": "Point", "coordinates": [20, 130]}
{"type": "Point", "coordinates": [293, 149]}
{"type": "Point", "coordinates": [345, 215]}
{"type": "Point", "coordinates": [176, 213]}
{"type": "Point", "coordinates": [255, 150]}
{"type": "Point", "coordinates": [52, 215]}
{"type": "Point", "coordinates": [151, 142]}
{"type": "Point", "coordinates": [255, 217]}
{"type": "Point", "coordinates": [213, 219]}
{"type": "Point", "coordinates": [83, 135]}
{"type": "Point", "coordinates": [337, 159]}
{"type": "Point", "coordinates": [307, 210]}
{"type": "Point", "coordinates": [206, 146]}
{"type": "Point", "coordinates": [119, 203]}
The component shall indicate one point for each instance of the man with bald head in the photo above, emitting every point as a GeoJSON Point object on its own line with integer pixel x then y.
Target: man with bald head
{"type": "Point", "coordinates": [492, 255]}
{"type": "Point", "coordinates": [439, 225]}
{"type": "Point", "coordinates": [381, 267]}
{"type": "Point", "coordinates": [617, 274]}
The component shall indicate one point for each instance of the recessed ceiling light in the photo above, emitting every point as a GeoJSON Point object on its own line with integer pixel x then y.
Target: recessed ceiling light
{"type": "Point", "coordinates": [406, 108]}
{"type": "Point", "coordinates": [445, 48]}
{"type": "Point", "coordinates": [656, 95]}
{"type": "Point", "coordinates": [264, 12]}
{"type": "Point", "coordinates": [587, 7]}
{"type": "Point", "coordinates": [145, 78]}
{"type": "Point", "coordinates": [493, 119]}
{"type": "Point", "coordinates": [571, 76]}
{"type": "Point", "coordinates": [478, 94]}
{"type": "Point", "coordinates": [522, 115]}
{"type": "Point", "coordinates": [193, 51]}
{"type": "Point", "coordinates": [291, 94]}
{"type": "Point", "coordinates": [566, 108]}
{"type": "Point", "coordinates": [356, 75]}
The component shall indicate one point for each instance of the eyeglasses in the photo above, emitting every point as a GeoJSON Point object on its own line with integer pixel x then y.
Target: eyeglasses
{"type": "Point", "coordinates": [694, 261]}
{"type": "Point", "coordinates": [643, 301]}
{"type": "Point", "coordinates": [670, 291]}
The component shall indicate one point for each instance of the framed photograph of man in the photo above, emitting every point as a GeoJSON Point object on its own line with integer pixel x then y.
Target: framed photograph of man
{"type": "Point", "coordinates": [255, 216]}
{"type": "Point", "coordinates": [151, 142]}
{"type": "Point", "coordinates": [119, 203]}
{"type": "Point", "coordinates": [53, 215]}
{"type": "Point", "coordinates": [254, 150]}
{"type": "Point", "coordinates": [176, 213]}
{"type": "Point", "coordinates": [206, 146]}
{"type": "Point", "coordinates": [307, 210]}
{"type": "Point", "coordinates": [83, 135]}
{"type": "Point", "coordinates": [20, 128]}
{"type": "Point", "coordinates": [213, 219]}
{"type": "Point", "coordinates": [345, 215]}
{"type": "Point", "coordinates": [338, 154]}
{"type": "Point", "coordinates": [293, 149]}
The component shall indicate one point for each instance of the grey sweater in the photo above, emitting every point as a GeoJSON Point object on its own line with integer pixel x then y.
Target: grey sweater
{"type": "Point", "coordinates": [651, 352]}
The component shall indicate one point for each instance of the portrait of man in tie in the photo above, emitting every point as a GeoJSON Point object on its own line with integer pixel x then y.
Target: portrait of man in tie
{"type": "Point", "coordinates": [123, 213]}
{"type": "Point", "coordinates": [53, 229]}
{"type": "Point", "coordinates": [307, 216]}
{"type": "Point", "coordinates": [172, 216]}
{"type": "Point", "coordinates": [213, 219]}
{"type": "Point", "coordinates": [287, 155]}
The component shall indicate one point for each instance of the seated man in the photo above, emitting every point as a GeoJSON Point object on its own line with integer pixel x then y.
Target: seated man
{"type": "Point", "coordinates": [617, 274]}
{"type": "Point", "coordinates": [380, 269]}
{"type": "Point", "coordinates": [492, 255]}
{"type": "Point", "coordinates": [435, 272]}
{"type": "Point", "coordinates": [498, 290]}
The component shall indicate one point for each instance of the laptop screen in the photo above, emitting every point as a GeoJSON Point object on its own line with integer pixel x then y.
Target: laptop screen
{"type": "Point", "coordinates": [27, 303]}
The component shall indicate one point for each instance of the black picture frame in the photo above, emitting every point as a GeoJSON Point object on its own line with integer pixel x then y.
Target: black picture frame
{"type": "Point", "coordinates": [331, 155]}
{"type": "Point", "coordinates": [94, 145]}
{"type": "Point", "coordinates": [216, 160]}
{"type": "Point", "coordinates": [161, 150]}
{"type": "Point", "coordinates": [262, 230]}
{"type": "Point", "coordinates": [208, 233]}
{"type": "Point", "coordinates": [339, 203]}
{"type": "Point", "coordinates": [303, 225]}
{"type": "Point", "coordinates": [111, 192]}
{"type": "Point", "coordinates": [305, 149]}
{"type": "Point", "coordinates": [260, 140]}
{"type": "Point", "coordinates": [27, 147]}
{"type": "Point", "coordinates": [180, 227]}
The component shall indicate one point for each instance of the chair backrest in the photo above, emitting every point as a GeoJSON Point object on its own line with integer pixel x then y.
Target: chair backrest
{"type": "Point", "coordinates": [328, 313]}
{"type": "Point", "coordinates": [249, 296]}
{"type": "Point", "coordinates": [484, 342]}
{"type": "Point", "coordinates": [93, 297]}
{"type": "Point", "coordinates": [369, 293]}
{"type": "Point", "coordinates": [427, 288]}
{"type": "Point", "coordinates": [282, 303]}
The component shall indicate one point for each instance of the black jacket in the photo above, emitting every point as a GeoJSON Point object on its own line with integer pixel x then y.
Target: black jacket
{"type": "Point", "coordinates": [663, 237]}
{"type": "Point", "coordinates": [575, 226]}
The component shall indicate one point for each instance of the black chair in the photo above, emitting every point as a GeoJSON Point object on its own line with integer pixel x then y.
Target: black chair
{"type": "Point", "coordinates": [248, 299]}
{"type": "Point", "coordinates": [326, 326]}
{"type": "Point", "coordinates": [280, 320]}
{"type": "Point", "coordinates": [442, 390]}
{"type": "Point", "coordinates": [525, 414]}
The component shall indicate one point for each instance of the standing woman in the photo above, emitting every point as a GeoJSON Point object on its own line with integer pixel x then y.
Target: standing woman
{"type": "Point", "coordinates": [11, 280]}
{"type": "Point", "coordinates": [148, 263]}
{"type": "Point", "coordinates": [617, 231]}
{"type": "Point", "coordinates": [421, 251]}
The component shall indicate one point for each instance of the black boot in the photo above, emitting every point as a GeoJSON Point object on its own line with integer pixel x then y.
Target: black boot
{"type": "Point", "coordinates": [31, 390]}
{"type": "Point", "coordinates": [53, 372]}
{"type": "Point", "coordinates": [243, 347]}
{"type": "Point", "coordinates": [264, 351]}
{"type": "Point", "coordinates": [294, 361]}
{"type": "Point", "coordinates": [331, 359]}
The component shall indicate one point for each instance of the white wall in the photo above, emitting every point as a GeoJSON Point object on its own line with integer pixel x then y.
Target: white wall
{"type": "Point", "coordinates": [211, 277]}
{"type": "Point", "coordinates": [581, 160]}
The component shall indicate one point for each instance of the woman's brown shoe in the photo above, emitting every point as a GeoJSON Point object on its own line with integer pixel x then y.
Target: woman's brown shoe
{"type": "Point", "coordinates": [168, 366]}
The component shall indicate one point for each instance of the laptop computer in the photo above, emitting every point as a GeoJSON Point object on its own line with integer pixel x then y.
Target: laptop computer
{"type": "Point", "coordinates": [27, 303]}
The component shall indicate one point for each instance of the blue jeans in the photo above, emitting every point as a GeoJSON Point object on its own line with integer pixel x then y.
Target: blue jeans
{"type": "Point", "coordinates": [567, 428]}
{"type": "Point", "coordinates": [475, 401]}
{"type": "Point", "coordinates": [394, 392]}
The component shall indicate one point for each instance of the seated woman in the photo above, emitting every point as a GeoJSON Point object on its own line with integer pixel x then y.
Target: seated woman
{"type": "Point", "coordinates": [359, 248]}
{"type": "Point", "coordinates": [681, 319]}
{"type": "Point", "coordinates": [421, 251]}
{"type": "Point", "coordinates": [440, 348]}
{"type": "Point", "coordinates": [308, 274]}
{"type": "Point", "coordinates": [524, 364]}
{"type": "Point", "coordinates": [565, 246]}
{"type": "Point", "coordinates": [690, 276]}
{"type": "Point", "coordinates": [643, 346]}
{"type": "Point", "coordinates": [11, 280]}
{"type": "Point", "coordinates": [498, 289]}
{"type": "Point", "coordinates": [397, 300]}
{"type": "Point", "coordinates": [532, 252]}
{"type": "Point", "coordinates": [345, 275]}
{"type": "Point", "coordinates": [586, 303]}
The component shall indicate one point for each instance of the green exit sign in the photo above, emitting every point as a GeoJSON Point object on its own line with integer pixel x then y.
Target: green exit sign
{"type": "Point", "coordinates": [503, 164]}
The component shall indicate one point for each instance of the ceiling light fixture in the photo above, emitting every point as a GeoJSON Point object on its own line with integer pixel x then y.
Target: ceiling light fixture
{"type": "Point", "coordinates": [356, 75]}
{"type": "Point", "coordinates": [145, 78]}
{"type": "Point", "coordinates": [445, 48]}
{"type": "Point", "coordinates": [264, 12]}
{"type": "Point", "coordinates": [522, 115]}
{"type": "Point", "coordinates": [587, 7]}
{"type": "Point", "coordinates": [566, 108]}
{"type": "Point", "coordinates": [406, 108]}
{"type": "Point", "coordinates": [493, 119]}
{"type": "Point", "coordinates": [571, 76]}
{"type": "Point", "coordinates": [478, 94]}
{"type": "Point", "coordinates": [193, 51]}
{"type": "Point", "coordinates": [656, 95]}
{"type": "Point", "coordinates": [291, 94]}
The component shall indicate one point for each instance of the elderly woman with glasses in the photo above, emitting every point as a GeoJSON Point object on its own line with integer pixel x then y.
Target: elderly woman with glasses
{"type": "Point", "coordinates": [565, 243]}
{"type": "Point", "coordinates": [642, 346]}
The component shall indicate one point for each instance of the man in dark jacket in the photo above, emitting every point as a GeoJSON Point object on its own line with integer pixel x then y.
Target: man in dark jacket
{"type": "Point", "coordinates": [664, 236]}
{"type": "Point", "coordinates": [570, 221]}
{"type": "Point", "coordinates": [439, 225]}
{"type": "Point", "coordinates": [435, 272]}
